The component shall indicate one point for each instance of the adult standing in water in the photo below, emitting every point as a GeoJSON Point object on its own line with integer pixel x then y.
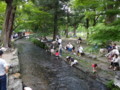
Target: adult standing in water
{"type": "Point", "coordinates": [3, 71]}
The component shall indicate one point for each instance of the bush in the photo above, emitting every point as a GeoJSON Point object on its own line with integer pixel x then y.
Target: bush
{"type": "Point", "coordinates": [102, 33]}
{"type": "Point", "coordinates": [38, 43]}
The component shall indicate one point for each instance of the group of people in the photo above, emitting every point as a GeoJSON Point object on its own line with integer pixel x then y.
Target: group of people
{"type": "Point", "coordinates": [71, 48]}
{"type": "Point", "coordinates": [57, 50]}
{"type": "Point", "coordinates": [56, 47]}
{"type": "Point", "coordinates": [113, 56]}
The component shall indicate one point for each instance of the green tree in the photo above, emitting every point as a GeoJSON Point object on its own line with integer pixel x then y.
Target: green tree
{"type": "Point", "coordinates": [54, 7]}
{"type": "Point", "coordinates": [100, 11]}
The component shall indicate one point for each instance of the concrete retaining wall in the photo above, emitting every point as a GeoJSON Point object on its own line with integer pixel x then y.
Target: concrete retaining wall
{"type": "Point", "coordinates": [14, 76]}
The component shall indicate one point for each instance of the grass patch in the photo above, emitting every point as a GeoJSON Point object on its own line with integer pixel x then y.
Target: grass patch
{"type": "Point", "coordinates": [111, 86]}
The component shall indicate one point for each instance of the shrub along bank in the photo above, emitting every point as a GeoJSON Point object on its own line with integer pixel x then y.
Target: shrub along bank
{"type": "Point", "coordinates": [39, 43]}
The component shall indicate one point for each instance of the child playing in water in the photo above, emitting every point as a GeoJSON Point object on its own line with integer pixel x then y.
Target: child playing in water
{"type": "Point", "coordinates": [57, 54]}
{"type": "Point", "coordinates": [74, 62]}
{"type": "Point", "coordinates": [94, 66]}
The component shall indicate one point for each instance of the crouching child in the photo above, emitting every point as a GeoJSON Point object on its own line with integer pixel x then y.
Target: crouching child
{"type": "Point", "coordinates": [94, 66]}
{"type": "Point", "coordinates": [73, 62]}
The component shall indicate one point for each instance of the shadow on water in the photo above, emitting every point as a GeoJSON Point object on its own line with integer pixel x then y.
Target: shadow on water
{"type": "Point", "coordinates": [41, 71]}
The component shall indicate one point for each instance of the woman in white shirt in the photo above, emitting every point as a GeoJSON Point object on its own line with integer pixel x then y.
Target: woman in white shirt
{"type": "Point", "coordinates": [112, 53]}
{"type": "Point", "coordinates": [115, 62]}
{"type": "Point", "coordinates": [80, 51]}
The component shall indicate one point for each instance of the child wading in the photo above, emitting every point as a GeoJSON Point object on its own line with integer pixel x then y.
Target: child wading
{"type": "Point", "coordinates": [57, 54]}
{"type": "Point", "coordinates": [94, 66]}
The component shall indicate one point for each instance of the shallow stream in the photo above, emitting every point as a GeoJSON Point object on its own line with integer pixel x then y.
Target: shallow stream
{"type": "Point", "coordinates": [41, 71]}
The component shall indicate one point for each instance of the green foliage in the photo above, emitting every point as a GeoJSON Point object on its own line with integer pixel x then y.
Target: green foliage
{"type": "Point", "coordinates": [81, 28]}
{"type": "Point", "coordinates": [103, 33]}
{"type": "Point", "coordinates": [38, 43]}
{"type": "Point", "coordinates": [113, 12]}
{"type": "Point", "coordinates": [111, 86]}
{"type": "Point", "coordinates": [30, 17]}
{"type": "Point", "coordinates": [90, 14]}
{"type": "Point", "coordinates": [2, 13]}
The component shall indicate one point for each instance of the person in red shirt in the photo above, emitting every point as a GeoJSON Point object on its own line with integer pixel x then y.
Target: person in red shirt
{"type": "Point", "coordinates": [94, 66]}
{"type": "Point", "coordinates": [57, 54]}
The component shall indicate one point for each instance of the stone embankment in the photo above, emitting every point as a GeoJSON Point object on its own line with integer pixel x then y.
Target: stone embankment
{"type": "Point", "coordinates": [14, 76]}
{"type": "Point", "coordinates": [117, 79]}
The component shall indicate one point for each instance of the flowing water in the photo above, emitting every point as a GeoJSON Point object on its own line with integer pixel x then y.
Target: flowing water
{"type": "Point", "coordinates": [41, 71]}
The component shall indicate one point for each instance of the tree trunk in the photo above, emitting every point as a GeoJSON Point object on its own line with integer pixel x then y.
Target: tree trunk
{"type": "Point", "coordinates": [74, 30]}
{"type": "Point", "coordinates": [110, 17]}
{"type": "Point", "coordinates": [66, 31]}
{"type": "Point", "coordinates": [11, 27]}
{"type": "Point", "coordinates": [67, 24]}
{"type": "Point", "coordinates": [55, 20]}
{"type": "Point", "coordinates": [87, 26]}
{"type": "Point", "coordinates": [8, 24]}
{"type": "Point", "coordinates": [94, 21]}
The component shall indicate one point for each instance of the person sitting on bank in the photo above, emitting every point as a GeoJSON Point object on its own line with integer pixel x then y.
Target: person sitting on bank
{"type": "Point", "coordinates": [115, 62]}
{"type": "Point", "coordinates": [3, 71]}
{"type": "Point", "coordinates": [70, 47]}
{"type": "Point", "coordinates": [80, 51]}
{"type": "Point", "coordinates": [67, 46]}
{"type": "Point", "coordinates": [79, 40]}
